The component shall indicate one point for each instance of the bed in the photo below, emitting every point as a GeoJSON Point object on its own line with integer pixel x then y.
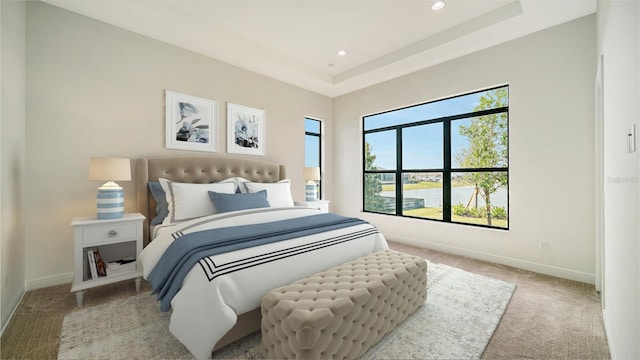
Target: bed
{"type": "Point", "coordinates": [217, 301]}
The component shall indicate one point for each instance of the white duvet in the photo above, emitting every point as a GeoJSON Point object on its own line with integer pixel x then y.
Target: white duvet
{"type": "Point", "coordinates": [204, 310]}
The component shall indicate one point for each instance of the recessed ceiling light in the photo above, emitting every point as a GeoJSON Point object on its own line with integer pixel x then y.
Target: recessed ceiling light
{"type": "Point", "coordinates": [342, 53]}
{"type": "Point", "coordinates": [438, 5]}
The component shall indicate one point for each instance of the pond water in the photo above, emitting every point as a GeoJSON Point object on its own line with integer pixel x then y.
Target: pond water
{"type": "Point", "coordinates": [459, 195]}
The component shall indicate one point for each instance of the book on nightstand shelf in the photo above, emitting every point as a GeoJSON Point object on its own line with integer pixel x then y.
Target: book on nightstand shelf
{"type": "Point", "coordinates": [100, 266]}
{"type": "Point", "coordinates": [86, 272]}
{"type": "Point", "coordinates": [92, 264]}
{"type": "Point", "coordinates": [121, 266]}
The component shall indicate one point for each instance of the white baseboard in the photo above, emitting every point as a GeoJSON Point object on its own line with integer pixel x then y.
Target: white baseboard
{"type": "Point", "coordinates": [520, 264]}
{"type": "Point", "coordinates": [49, 281]}
{"type": "Point", "coordinates": [39, 284]}
{"type": "Point", "coordinates": [12, 313]}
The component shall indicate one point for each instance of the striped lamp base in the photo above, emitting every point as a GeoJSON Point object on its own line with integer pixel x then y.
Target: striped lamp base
{"type": "Point", "coordinates": [310, 192]}
{"type": "Point", "coordinates": [110, 203]}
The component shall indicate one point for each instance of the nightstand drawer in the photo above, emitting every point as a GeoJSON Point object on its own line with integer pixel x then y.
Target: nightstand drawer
{"type": "Point", "coordinates": [111, 233]}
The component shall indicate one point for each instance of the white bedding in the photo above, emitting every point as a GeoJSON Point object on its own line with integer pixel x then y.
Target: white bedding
{"type": "Point", "coordinates": [156, 230]}
{"type": "Point", "coordinates": [204, 310]}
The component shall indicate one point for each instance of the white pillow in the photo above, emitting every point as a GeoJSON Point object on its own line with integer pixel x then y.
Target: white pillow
{"type": "Point", "coordinates": [188, 201]}
{"type": "Point", "coordinates": [278, 194]}
{"type": "Point", "coordinates": [238, 181]}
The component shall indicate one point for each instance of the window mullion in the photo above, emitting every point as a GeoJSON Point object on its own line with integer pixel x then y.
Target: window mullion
{"type": "Point", "coordinates": [399, 168]}
{"type": "Point", "coordinates": [446, 172]}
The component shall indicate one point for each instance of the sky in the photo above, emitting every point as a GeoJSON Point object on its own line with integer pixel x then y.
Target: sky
{"type": "Point", "coordinates": [311, 148]}
{"type": "Point", "coordinates": [422, 145]}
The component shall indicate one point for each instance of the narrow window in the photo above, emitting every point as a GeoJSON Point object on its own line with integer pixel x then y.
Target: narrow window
{"type": "Point", "coordinates": [313, 147]}
{"type": "Point", "coordinates": [445, 160]}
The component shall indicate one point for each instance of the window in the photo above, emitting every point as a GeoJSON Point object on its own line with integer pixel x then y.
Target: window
{"type": "Point", "coordinates": [445, 160]}
{"type": "Point", "coordinates": [313, 147]}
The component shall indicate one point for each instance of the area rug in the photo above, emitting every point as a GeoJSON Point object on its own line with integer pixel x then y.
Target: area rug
{"type": "Point", "coordinates": [457, 321]}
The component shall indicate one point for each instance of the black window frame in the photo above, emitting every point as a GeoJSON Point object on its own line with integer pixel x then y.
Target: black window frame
{"type": "Point", "coordinates": [319, 136]}
{"type": "Point", "coordinates": [447, 170]}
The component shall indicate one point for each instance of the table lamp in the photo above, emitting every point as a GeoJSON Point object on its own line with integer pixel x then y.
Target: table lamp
{"type": "Point", "coordinates": [311, 175]}
{"type": "Point", "coordinates": [110, 195]}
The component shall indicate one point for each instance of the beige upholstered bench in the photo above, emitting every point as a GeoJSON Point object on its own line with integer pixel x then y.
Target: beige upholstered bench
{"type": "Point", "coordinates": [341, 312]}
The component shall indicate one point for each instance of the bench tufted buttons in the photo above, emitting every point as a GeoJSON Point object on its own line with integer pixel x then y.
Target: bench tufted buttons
{"type": "Point", "coordinates": [348, 321]}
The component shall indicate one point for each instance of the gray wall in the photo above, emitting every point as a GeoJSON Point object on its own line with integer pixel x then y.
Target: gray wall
{"type": "Point", "coordinates": [12, 154]}
{"type": "Point", "coordinates": [551, 131]}
{"type": "Point", "coordinates": [97, 90]}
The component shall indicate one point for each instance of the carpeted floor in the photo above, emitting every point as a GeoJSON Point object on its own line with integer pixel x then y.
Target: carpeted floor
{"type": "Point", "coordinates": [546, 318]}
{"type": "Point", "coordinates": [440, 329]}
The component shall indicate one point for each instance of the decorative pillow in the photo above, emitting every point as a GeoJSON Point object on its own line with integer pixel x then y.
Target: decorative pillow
{"type": "Point", "coordinates": [187, 201]}
{"type": "Point", "coordinates": [238, 181]}
{"type": "Point", "coordinates": [162, 208]}
{"type": "Point", "coordinates": [238, 201]}
{"type": "Point", "coordinates": [278, 194]}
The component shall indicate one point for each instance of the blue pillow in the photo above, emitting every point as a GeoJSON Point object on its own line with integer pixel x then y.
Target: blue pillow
{"type": "Point", "coordinates": [162, 207]}
{"type": "Point", "coordinates": [239, 201]}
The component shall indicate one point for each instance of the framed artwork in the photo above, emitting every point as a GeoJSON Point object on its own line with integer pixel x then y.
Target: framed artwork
{"type": "Point", "coordinates": [190, 122]}
{"type": "Point", "coordinates": [245, 130]}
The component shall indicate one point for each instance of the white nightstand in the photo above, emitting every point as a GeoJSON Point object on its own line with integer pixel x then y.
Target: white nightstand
{"type": "Point", "coordinates": [115, 239]}
{"type": "Point", "coordinates": [318, 204]}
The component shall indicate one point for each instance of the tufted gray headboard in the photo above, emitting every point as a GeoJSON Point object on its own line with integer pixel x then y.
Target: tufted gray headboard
{"type": "Point", "coordinates": [196, 170]}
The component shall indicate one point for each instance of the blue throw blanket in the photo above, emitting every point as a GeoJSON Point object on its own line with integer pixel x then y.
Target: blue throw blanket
{"type": "Point", "coordinates": [185, 251]}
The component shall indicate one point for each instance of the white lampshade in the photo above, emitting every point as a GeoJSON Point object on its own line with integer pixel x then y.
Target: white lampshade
{"type": "Point", "coordinates": [110, 195]}
{"type": "Point", "coordinates": [311, 173]}
{"type": "Point", "coordinates": [110, 169]}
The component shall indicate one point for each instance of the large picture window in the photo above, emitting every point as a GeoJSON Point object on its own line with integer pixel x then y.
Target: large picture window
{"type": "Point", "coordinates": [445, 160]}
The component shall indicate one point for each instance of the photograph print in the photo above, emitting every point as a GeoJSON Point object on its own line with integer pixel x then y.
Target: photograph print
{"type": "Point", "coordinates": [190, 122]}
{"type": "Point", "coordinates": [245, 130]}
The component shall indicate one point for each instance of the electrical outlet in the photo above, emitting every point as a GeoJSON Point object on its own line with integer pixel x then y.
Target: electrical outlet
{"type": "Point", "coordinates": [544, 245]}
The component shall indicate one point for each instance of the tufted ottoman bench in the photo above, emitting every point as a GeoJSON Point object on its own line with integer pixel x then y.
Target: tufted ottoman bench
{"type": "Point", "coordinates": [341, 312]}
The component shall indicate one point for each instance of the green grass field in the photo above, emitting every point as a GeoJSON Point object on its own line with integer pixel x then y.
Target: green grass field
{"type": "Point", "coordinates": [436, 213]}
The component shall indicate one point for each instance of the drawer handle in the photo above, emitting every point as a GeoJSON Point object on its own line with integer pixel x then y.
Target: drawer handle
{"type": "Point", "coordinates": [112, 233]}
